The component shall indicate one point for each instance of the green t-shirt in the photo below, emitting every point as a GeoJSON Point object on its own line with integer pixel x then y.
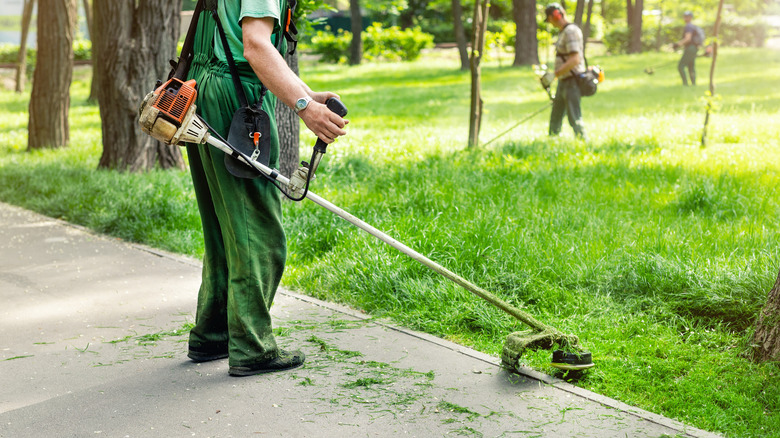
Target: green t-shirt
{"type": "Point", "coordinates": [231, 12]}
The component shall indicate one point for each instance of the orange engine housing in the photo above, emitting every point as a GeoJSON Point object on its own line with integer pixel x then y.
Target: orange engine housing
{"type": "Point", "coordinates": [175, 98]}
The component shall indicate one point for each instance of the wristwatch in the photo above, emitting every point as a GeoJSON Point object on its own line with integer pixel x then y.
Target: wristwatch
{"type": "Point", "coordinates": [302, 103]}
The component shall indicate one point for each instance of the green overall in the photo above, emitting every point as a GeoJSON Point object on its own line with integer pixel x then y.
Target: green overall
{"type": "Point", "coordinates": [245, 246]}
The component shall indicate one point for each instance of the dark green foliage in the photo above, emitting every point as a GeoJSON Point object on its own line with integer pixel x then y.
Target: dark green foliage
{"type": "Point", "coordinates": [379, 43]}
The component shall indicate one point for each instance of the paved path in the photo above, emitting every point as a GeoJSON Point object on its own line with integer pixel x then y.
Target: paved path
{"type": "Point", "coordinates": [93, 343]}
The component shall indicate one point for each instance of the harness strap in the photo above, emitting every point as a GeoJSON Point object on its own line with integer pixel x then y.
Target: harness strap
{"type": "Point", "coordinates": [242, 100]}
{"type": "Point", "coordinates": [181, 67]}
{"type": "Point", "coordinates": [564, 56]}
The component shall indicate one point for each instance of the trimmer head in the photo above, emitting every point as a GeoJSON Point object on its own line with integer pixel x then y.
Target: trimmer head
{"type": "Point", "coordinates": [572, 361]}
{"type": "Point", "coordinates": [518, 342]}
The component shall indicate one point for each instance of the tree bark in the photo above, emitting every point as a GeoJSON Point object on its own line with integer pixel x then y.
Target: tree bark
{"type": "Point", "coordinates": [578, 13]}
{"type": "Point", "coordinates": [133, 55]}
{"type": "Point", "coordinates": [634, 18]}
{"type": "Point", "coordinates": [586, 31]}
{"type": "Point", "coordinates": [356, 46]}
{"type": "Point", "coordinates": [460, 34]}
{"type": "Point", "coordinates": [21, 67]}
{"type": "Point", "coordinates": [481, 8]}
{"type": "Point", "coordinates": [50, 98]}
{"type": "Point", "coordinates": [93, 91]}
{"type": "Point", "coordinates": [766, 339]}
{"type": "Point", "coordinates": [711, 96]}
{"type": "Point", "coordinates": [289, 127]}
{"type": "Point", "coordinates": [526, 44]}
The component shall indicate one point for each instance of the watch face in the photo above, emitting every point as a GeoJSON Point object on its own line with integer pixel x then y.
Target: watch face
{"type": "Point", "coordinates": [301, 103]}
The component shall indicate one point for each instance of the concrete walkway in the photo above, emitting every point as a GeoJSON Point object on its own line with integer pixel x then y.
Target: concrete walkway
{"type": "Point", "coordinates": [93, 343]}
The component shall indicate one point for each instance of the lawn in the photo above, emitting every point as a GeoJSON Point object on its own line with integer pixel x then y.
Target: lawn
{"type": "Point", "coordinates": [656, 252]}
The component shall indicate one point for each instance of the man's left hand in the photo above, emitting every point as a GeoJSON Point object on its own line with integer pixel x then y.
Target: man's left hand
{"type": "Point", "coordinates": [547, 79]}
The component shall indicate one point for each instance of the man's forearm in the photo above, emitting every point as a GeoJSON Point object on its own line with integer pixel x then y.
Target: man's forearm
{"type": "Point", "coordinates": [274, 73]}
{"type": "Point", "coordinates": [570, 63]}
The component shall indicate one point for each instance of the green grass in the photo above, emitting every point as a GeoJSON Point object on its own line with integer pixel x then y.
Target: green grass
{"type": "Point", "coordinates": [657, 253]}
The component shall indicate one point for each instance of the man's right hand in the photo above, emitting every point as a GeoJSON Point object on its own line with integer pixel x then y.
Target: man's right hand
{"type": "Point", "coordinates": [323, 122]}
{"type": "Point", "coordinates": [547, 79]}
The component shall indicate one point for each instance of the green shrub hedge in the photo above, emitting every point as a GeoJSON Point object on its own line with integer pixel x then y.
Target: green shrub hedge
{"type": "Point", "coordinates": [9, 53]}
{"type": "Point", "coordinates": [379, 43]}
{"type": "Point", "coordinates": [734, 31]}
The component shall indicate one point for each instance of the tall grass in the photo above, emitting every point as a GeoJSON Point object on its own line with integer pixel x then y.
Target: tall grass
{"type": "Point", "coordinates": [657, 253]}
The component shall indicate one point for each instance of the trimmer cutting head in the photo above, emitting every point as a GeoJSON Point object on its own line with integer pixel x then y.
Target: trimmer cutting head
{"type": "Point", "coordinates": [518, 342]}
{"type": "Point", "coordinates": [572, 361]}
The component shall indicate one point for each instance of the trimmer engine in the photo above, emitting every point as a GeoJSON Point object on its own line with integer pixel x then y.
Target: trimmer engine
{"type": "Point", "coordinates": [168, 114]}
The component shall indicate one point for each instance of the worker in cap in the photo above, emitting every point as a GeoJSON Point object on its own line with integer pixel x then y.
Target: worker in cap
{"type": "Point", "coordinates": [569, 61]}
{"type": "Point", "coordinates": [693, 37]}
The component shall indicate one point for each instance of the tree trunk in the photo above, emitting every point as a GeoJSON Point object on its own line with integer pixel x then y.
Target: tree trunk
{"type": "Point", "coordinates": [356, 46]}
{"type": "Point", "coordinates": [586, 31]}
{"type": "Point", "coordinates": [526, 44]}
{"type": "Point", "coordinates": [766, 340]}
{"type": "Point", "coordinates": [711, 96]}
{"type": "Point", "coordinates": [289, 129]}
{"type": "Point", "coordinates": [460, 34]}
{"type": "Point", "coordinates": [578, 13]}
{"type": "Point", "coordinates": [93, 91]}
{"type": "Point", "coordinates": [136, 40]}
{"type": "Point", "coordinates": [634, 18]}
{"type": "Point", "coordinates": [50, 99]}
{"type": "Point", "coordinates": [21, 68]}
{"type": "Point", "coordinates": [481, 8]}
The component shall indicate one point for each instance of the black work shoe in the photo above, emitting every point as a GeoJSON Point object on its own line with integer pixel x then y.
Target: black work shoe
{"type": "Point", "coordinates": [286, 360]}
{"type": "Point", "coordinates": [207, 354]}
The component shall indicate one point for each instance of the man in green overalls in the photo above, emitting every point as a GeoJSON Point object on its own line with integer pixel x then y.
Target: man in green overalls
{"type": "Point", "coordinates": [245, 246]}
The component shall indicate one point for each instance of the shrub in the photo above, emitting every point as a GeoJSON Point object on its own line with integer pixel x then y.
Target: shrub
{"type": "Point", "coordinates": [394, 44]}
{"type": "Point", "coordinates": [734, 31]}
{"type": "Point", "coordinates": [616, 38]}
{"type": "Point", "coordinates": [332, 48]}
{"type": "Point", "coordinates": [502, 38]}
{"type": "Point", "coordinates": [740, 31]}
{"type": "Point", "coordinates": [82, 50]}
{"type": "Point", "coordinates": [379, 42]}
{"type": "Point", "coordinates": [9, 53]}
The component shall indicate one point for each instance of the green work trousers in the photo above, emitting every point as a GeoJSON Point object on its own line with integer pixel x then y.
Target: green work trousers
{"type": "Point", "coordinates": [567, 99]}
{"type": "Point", "coordinates": [688, 61]}
{"type": "Point", "coordinates": [245, 246]}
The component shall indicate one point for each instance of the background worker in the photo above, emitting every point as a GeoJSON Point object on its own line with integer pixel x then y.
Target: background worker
{"type": "Point", "coordinates": [245, 245]}
{"type": "Point", "coordinates": [690, 48]}
{"type": "Point", "coordinates": [568, 60]}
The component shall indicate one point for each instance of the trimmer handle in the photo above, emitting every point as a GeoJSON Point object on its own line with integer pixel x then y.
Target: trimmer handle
{"type": "Point", "coordinates": [337, 107]}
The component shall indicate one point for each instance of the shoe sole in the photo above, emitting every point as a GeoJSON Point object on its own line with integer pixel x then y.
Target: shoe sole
{"type": "Point", "coordinates": [243, 372]}
{"type": "Point", "coordinates": [198, 358]}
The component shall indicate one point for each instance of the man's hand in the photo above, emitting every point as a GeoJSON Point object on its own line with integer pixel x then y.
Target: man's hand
{"type": "Point", "coordinates": [547, 79]}
{"type": "Point", "coordinates": [323, 122]}
{"type": "Point", "coordinates": [675, 46]}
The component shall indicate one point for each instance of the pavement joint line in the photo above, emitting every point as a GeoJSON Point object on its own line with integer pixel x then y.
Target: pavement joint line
{"type": "Point", "coordinates": [524, 371]}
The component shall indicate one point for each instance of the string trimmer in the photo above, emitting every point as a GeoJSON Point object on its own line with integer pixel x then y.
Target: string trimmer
{"type": "Point", "coordinates": [539, 70]}
{"type": "Point", "coordinates": [650, 70]}
{"type": "Point", "coordinates": [168, 114]}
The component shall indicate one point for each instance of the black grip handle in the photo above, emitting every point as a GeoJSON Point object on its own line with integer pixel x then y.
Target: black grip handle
{"type": "Point", "coordinates": [337, 107]}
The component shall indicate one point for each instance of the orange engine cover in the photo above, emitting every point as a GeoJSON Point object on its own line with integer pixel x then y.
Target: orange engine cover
{"type": "Point", "coordinates": [175, 98]}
